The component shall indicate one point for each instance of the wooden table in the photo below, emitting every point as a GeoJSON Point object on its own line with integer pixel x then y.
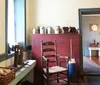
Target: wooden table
{"type": "Point", "coordinates": [94, 48]}
{"type": "Point", "coordinates": [21, 73]}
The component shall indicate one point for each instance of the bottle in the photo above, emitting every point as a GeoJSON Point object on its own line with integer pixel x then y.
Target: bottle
{"type": "Point", "coordinates": [42, 30]}
{"type": "Point", "coordinates": [94, 41]}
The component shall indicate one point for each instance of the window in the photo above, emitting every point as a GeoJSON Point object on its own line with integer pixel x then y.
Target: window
{"type": "Point", "coordinates": [16, 22]}
{"type": "Point", "coordinates": [10, 25]}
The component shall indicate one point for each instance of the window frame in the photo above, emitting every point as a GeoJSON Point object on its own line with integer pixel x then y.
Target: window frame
{"type": "Point", "coordinates": [5, 55]}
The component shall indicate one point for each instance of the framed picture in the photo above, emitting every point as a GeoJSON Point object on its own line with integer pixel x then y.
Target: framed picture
{"type": "Point", "coordinates": [93, 27]}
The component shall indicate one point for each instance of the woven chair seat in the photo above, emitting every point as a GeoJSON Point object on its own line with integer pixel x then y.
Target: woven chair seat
{"type": "Point", "coordinates": [55, 69]}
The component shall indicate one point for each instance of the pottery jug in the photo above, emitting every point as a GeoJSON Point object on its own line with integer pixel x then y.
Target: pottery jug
{"type": "Point", "coordinates": [58, 30]}
{"type": "Point", "coordinates": [38, 30]}
{"type": "Point", "coordinates": [49, 30]}
{"type": "Point", "coordinates": [65, 30]}
{"type": "Point", "coordinates": [34, 30]}
{"type": "Point", "coordinates": [42, 30]}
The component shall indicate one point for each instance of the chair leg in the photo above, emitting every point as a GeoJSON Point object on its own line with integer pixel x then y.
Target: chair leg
{"type": "Point", "coordinates": [47, 79]}
{"type": "Point", "coordinates": [42, 80]}
{"type": "Point", "coordinates": [68, 82]}
{"type": "Point", "coordinates": [57, 78]}
{"type": "Point", "coordinates": [68, 78]}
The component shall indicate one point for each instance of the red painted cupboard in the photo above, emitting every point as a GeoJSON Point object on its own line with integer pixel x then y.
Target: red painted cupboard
{"type": "Point", "coordinates": [67, 44]}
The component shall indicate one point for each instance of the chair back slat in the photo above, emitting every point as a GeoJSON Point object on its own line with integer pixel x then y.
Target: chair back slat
{"type": "Point", "coordinates": [48, 49]}
{"type": "Point", "coordinates": [49, 55]}
{"type": "Point", "coordinates": [48, 43]}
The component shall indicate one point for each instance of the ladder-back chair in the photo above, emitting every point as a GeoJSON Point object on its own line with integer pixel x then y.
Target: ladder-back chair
{"type": "Point", "coordinates": [51, 70]}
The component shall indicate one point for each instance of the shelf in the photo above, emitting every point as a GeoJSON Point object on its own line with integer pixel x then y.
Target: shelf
{"type": "Point", "coordinates": [22, 72]}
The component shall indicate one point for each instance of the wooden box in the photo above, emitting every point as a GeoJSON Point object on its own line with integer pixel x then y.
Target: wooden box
{"type": "Point", "coordinates": [93, 45]}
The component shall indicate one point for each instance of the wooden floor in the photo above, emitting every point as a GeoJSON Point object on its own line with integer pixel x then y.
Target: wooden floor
{"type": "Point", "coordinates": [95, 59]}
{"type": "Point", "coordinates": [62, 83]}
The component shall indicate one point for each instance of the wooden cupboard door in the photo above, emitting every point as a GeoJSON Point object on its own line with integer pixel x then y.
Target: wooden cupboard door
{"type": "Point", "coordinates": [63, 45]}
{"type": "Point", "coordinates": [76, 49]}
{"type": "Point", "coordinates": [63, 48]}
{"type": "Point", "coordinates": [76, 52]}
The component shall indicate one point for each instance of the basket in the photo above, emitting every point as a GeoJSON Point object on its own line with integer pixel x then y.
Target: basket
{"type": "Point", "coordinates": [7, 78]}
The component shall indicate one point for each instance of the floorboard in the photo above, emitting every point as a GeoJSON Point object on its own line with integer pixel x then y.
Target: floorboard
{"type": "Point", "coordinates": [96, 60]}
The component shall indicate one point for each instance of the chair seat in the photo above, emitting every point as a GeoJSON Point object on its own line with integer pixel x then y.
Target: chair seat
{"type": "Point", "coordinates": [55, 69]}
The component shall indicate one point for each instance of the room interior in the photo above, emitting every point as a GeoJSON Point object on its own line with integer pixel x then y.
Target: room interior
{"type": "Point", "coordinates": [87, 41]}
{"type": "Point", "coordinates": [90, 56]}
{"type": "Point", "coordinates": [90, 61]}
{"type": "Point", "coordinates": [48, 13]}
{"type": "Point", "coordinates": [90, 37]}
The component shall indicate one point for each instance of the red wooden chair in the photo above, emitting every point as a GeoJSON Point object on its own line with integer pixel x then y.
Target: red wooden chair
{"type": "Point", "coordinates": [51, 70]}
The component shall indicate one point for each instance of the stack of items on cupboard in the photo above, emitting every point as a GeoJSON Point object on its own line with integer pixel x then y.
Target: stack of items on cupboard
{"type": "Point", "coordinates": [54, 30]}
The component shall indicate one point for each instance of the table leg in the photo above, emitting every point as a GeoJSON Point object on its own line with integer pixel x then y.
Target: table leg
{"type": "Point", "coordinates": [90, 54]}
{"type": "Point", "coordinates": [99, 55]}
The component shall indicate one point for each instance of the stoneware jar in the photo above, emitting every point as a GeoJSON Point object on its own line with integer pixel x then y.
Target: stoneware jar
{"type": "Point", "coordinates": [58, 30]}
{"type": "Point", "coordinates": [49, 30]}
{"type": "Point", "coordinates": [34, 30]}
{"type": "Point", "coordinates": [42, 30]}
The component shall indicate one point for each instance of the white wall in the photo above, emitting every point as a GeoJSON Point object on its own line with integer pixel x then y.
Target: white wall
{"type": "Point", "coordinates": [57, 12]}
{"type": "Point", "coordinates": [61, 12]}
{"type": "Point", "coordinates": [88, 36]}
{"type": "Point", "coordinates": [2, 26]}
{"type": "Point", "coordinates": [30, 19]}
